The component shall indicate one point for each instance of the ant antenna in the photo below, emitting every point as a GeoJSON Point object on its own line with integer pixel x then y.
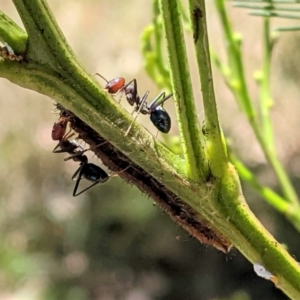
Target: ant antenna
{"type": "Point", "coordinates": [101, 77]}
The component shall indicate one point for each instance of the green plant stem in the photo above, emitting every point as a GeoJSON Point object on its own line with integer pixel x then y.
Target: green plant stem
{"type": "Point", "coordinates": [275, 200]}
{"type": "Point", "coordinates": [238, 84]}
{"type": "Point", "coordinates": [152, 50]}
{"type": "Point", "coordinates": [222, 204]}
{"type": "Point", "coordinates": [266, 101]}
{"type": "Point", "coordinates": [192, 139]}
{"type": "Point", "coordinates": [269, 195]}
{"type": "Point", "coordinates": [12, 34]}
{"type": "Point", "coordinates": [215, 146]}
{"type": "Point", "coordinates": [53, 69]}
{"type": "Point", "coordinates": [161, 65]}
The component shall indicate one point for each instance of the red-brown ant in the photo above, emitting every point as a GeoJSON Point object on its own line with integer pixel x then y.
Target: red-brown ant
{"type": "Point", "coordinates": [158, 115]}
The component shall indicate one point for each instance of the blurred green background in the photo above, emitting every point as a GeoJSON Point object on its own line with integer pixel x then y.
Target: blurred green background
{"type": "Point", "coordinates": [112, 242]}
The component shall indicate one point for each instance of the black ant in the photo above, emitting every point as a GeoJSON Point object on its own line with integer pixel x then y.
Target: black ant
{"type": "Point", "coordinates": [158, 115]}
{"type": "Point", "coordinates": [58, 133]}
{"type": "Point", "coordinates": [86, 170]}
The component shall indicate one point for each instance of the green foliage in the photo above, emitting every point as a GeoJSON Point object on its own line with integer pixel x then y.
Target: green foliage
{"type": "Point", "coordinates": [259, 119]}
{"type": "Point", "coordinates": [202, 178]}
{"type": "Point", "coordinates": [286, 9]}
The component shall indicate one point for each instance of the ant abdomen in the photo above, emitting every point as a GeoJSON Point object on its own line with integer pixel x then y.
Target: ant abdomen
{"type": "Point", "coordinates": [90, 172]}
{"type": "Point", "coordinates": [94, 173]}
{"type": "Point", "coordinates": [161, 119]}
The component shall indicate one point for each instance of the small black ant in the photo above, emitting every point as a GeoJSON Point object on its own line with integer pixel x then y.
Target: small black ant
{"type": "Point", "coordinates": [158, 115]}
{"type": "Point", "coordinates": [86, 170]}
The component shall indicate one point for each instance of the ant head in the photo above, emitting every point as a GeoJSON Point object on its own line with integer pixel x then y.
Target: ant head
{"type": "Point", "coordinates": [113, 86]}
{"type": "Point", "coordinates": [161, 119]}
{"type": "Point", "coordinates": [59, 129]}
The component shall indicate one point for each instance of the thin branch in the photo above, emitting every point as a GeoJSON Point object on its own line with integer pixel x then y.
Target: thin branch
{"type": "Point", "coordinates": [192, 139]}
{"type": "Point", "coordinates": [238, 84]}
{"type": "Point", "coordinates": [216, 149]}
{"type": "Point", "coordinates": [12, 34]}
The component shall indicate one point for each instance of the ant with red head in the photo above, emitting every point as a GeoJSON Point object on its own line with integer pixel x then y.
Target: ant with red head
{"type": "Point", "coordinates": [158, 115]}
{"type": "Point", "coordinates": [86, 170]}
{"type": "Point", "coordinates": [59, 134]}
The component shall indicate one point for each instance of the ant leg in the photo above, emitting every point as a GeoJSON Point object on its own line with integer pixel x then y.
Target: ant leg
{"type": "Point", "coordinates": [76, 154]}
{"type": "Point", "coordinates": [118, 172]}
{"type": "Point", "coordinates": [68, 134]}
{"type": "Point", "coordinates": [120, 98]}
{"type": "Point", "coordinates": [80, 171]}
{"type": "Point", "coordinates": [90, 186]}
{"type": "Point", "coordinates": [59, 151]}
{"type": "Point", "coordinates": [142, 105]}
{"type": "Point", "coordinates": [97, 146]}
{"type": "Point", "coordinates": [158, 100]}
{"type": "Point", "coordinates": [84, 169]}
{"type": "Point", "coordinates": [76, 186]}
{"type": "Point", "coordinates": [129, 83]}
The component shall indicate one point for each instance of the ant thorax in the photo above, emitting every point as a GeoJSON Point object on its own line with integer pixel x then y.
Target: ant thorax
{"type": "Point", "coordinates": [131, 98]}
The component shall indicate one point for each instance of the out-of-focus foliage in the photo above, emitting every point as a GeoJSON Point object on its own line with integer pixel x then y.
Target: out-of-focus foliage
{"type": "Point", "coordinates": [273, 8]}
{"type": "Point", "coordinates": [112, 242]}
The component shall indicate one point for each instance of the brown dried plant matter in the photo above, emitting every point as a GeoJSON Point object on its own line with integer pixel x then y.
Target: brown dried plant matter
{"type": "Point", "coordinates": [6, 52]}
